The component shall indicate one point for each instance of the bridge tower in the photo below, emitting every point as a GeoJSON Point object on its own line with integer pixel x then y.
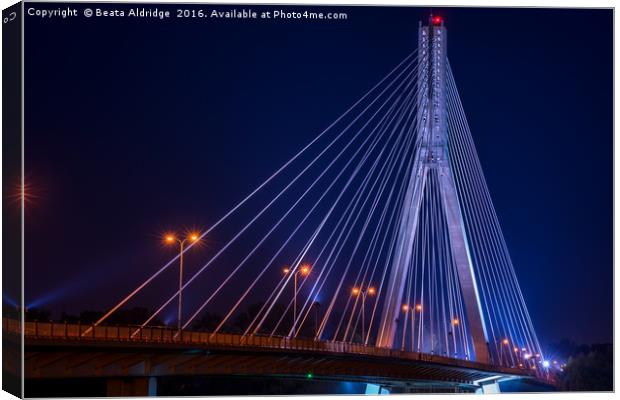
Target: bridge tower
{"type": "Point", "coordinates": [432, 155]}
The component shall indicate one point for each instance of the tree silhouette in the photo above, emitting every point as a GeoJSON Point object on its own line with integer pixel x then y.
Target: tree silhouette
{"type": "Point", "coordinates": [591, 369]}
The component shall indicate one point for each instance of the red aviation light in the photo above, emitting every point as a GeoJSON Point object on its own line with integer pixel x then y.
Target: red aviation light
{"type": "Point", "coordinates": [436, 20]}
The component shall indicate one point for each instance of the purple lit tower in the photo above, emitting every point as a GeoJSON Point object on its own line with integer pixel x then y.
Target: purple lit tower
{"type": "Point", "coordinates": [431, 157]}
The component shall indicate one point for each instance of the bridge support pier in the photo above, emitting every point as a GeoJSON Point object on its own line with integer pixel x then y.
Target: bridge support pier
{"type": "Point", "coordinates": [137, 386]}
{"type": "Point", "coordinates": [489, 385]}
{"type": "Point", "coordinates": [489, 388]}
{"type": "Point", "coordinates": [372, 388]}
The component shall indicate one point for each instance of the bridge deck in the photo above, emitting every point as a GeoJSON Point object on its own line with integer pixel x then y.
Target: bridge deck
{"type": "Point", "coordinates": [57, 350]}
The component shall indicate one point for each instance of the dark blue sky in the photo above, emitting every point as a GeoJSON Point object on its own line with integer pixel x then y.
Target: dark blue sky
{"type": "Point", "coordinates": [133, 127]}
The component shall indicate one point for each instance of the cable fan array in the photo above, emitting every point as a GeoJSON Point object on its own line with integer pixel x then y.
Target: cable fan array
{"type": "Point", "coordinates": [307, 253]}
{"type": "Point", "coordinates": [510, 332]}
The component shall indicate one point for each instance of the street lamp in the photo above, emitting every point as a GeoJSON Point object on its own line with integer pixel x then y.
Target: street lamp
{"type": "Point", "coordinates": [171, 238]}
{"type": "Point", "coordinates": [317, 306]}
{"type": "Point", "coordinates": [304, 270]}
{"type": "Point", "coordinates": [505, 349]}
{"type": "Point", "coordinates": [363, 292]}
{"type": "Point", "coordinates": [406, 309]}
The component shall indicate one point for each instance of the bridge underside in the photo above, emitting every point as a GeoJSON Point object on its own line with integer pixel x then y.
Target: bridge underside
{"type": "Point", "coordinates": [134, 369]}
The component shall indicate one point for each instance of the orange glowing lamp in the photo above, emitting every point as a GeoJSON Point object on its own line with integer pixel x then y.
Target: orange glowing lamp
{"type": "Point", "coordinates": [169, 238]}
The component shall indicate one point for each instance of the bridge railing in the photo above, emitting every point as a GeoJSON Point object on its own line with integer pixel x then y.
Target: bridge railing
{"type": "Point", "coordinates": [164, 334]}
{"type": "Point", "coordinates": [65, 331]}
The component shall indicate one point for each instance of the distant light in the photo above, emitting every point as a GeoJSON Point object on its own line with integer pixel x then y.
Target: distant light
{"type": "Point", "coordinates": [355, 291]}
{"type": "Point", "coordinates": [286, 270]}
{"type": "Point", "coordinates": [418, 307]}
{"type": "Point", "coordinates": [505, 341]}
{"type": "Point", "coordinates": [545, 364]}
{"type": "Point", "coordinates": [527, 356]}
{"type": "Point", "coordinates": [193, 237]}
{"type": "Point", "coordinates": [371, 291]}
{"type": "Point", "coordinates": [309, 375]}
{"type": "Point", "coordinates": [455, 321]}
{"type": "Point", "coordinates": [305, 270]}
{"type": "Point", "coordinates": [169, 238]}
{"type": "Point", "coordinates": [436, 20]}
{"type": "Point", "coordinates": [516, 349]}
{"type": "Point", "coordinates": [405, 307]}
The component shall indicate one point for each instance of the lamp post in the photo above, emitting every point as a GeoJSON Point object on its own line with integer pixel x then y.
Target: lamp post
{"type": "Point", "coordinates": [406, 309]}
{"type": "Point", "coordinates": [170, 239]}
{"type": "Point", "coordinates": [413, 310]}
{"type": "Point", "coordinates": [317, 306]}
{"type": "Point", "coordinates": [505, 349]}
{"type": "Point", "coordinates": [304, 270]}
{"type": "Point", "coordinates": [363, 292]}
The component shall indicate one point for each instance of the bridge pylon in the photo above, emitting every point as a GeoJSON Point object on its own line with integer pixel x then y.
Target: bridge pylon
{"type": "Point", "coordinates": [431, 157]}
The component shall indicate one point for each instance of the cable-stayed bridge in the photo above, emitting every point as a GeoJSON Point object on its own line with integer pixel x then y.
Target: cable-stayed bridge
{"type": "Point", "coordinates": [376, 245]}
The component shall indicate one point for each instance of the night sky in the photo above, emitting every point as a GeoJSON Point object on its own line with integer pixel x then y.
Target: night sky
{"type": "Point", "coordinates": [135, 127]}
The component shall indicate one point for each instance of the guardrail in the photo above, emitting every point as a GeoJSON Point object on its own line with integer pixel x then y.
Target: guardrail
{"type": "Point", "coordinates": [165, 335]}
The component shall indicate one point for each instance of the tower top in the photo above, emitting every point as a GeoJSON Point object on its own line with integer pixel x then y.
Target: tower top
{"type": "Point", "coordinates": [433, 21]}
